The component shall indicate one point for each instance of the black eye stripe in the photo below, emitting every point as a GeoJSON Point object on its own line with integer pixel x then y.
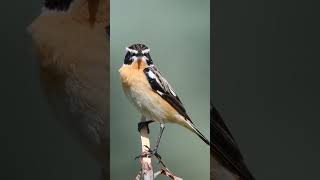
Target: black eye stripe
{"type": "Point", "coordinates": [127, 59]}
{"type": "Point", "coordinates": [128, 54]}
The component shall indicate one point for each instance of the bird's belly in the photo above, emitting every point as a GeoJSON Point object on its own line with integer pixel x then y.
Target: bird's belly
{"type": "Point", "coordinates": [148, 104]}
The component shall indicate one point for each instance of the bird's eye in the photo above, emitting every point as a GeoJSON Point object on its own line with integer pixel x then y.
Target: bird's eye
{"type": "Point", "coordinates": [128, 60]}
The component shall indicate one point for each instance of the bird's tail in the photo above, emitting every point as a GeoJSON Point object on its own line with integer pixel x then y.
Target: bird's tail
{"type": "Point", "coordinates": [194, 129]}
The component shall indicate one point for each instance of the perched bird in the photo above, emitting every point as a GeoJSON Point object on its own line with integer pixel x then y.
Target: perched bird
{"type": "Point", "coordinates": [151, 93]}
{"type": "Point", "coordinates": [226, 160]}
{"type": "Point", "coordinates": [71, 40]}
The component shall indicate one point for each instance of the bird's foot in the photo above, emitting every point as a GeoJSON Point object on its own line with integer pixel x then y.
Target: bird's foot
{"type": "Point", "coordinates": [149, 153]}
{"type": "Point", "coordinates": [153, 152]}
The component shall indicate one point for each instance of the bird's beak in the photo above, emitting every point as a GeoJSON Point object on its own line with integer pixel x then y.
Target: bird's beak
{"type": "Point", "coordinates": [139, 62]}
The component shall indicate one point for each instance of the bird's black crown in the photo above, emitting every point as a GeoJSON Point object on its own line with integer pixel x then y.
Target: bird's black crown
{"type": "Point", "coordinates": [138, 47]}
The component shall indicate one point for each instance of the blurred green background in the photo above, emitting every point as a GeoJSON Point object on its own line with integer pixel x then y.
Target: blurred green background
{"type": "Point", "coordinates": [178, 34]}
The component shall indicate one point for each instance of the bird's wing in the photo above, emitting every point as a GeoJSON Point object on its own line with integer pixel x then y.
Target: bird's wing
{"type": "Point", "coordinates": [224, 147]}
{"type": "Point", "coordinates": [161, 86]}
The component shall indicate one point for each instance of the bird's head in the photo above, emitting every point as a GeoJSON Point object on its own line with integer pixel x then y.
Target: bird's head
{"type": "Point", "coordinates": [138, 56]}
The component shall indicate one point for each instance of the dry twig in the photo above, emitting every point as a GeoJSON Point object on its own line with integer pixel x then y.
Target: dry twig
{"type": "Point", "coordinates": [146, 172]}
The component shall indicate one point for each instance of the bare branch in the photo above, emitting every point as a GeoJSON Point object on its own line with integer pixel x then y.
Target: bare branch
{"type": "Point", "coordinates": [167, 173]}
{"type": "Point", "coordinates": [146, 172]}
{"type": "Point", "coordinates": [138, 177]}
{"type": "Point", "coordinates": [146, 166]}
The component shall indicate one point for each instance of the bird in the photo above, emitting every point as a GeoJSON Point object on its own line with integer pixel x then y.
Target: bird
{"type": "Point", "coordinates": [71, 41]}
{"type": "Point", "coordinates": [151, 93]}
{"type": "Point", "coordinates": [226, 160]}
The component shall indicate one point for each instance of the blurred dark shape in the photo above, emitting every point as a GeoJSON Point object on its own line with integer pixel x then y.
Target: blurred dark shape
{"type": "Point", "coordinates": [73, 53]}
{"type": "Point", "coordinates": [226, 159]}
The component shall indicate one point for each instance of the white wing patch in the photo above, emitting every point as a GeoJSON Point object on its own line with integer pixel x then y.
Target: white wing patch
{"type": "Point", "coordinates": [161, 81]}
{"type": "Point", "coordinates": [159, 92]}
{"type": "Point", "coordinates": [161, 86]}
{"type": "Point", "coordinates": [151, 75]}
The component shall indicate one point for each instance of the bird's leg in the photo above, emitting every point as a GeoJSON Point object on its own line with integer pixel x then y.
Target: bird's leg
{"type": "Point", "coordinates": [143, 124]}
{"type": "Point", "coordinates": [159, 138]}
{"type": "Point", "coordinates": [155, 150]}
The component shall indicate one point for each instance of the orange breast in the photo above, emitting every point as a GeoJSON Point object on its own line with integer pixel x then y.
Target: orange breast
{"type": "Point", "coordinates": [135, 80]}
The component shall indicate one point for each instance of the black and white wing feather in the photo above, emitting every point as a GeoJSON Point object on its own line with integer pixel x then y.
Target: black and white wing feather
{"type": "Point", "coordinates": [161, 86]}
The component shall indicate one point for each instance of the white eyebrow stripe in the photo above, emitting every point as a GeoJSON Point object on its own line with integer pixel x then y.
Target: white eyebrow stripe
{"type": "Point", "coordinates": [131, 50]}
{"type": "Point", "coordinates": [145, 51]}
